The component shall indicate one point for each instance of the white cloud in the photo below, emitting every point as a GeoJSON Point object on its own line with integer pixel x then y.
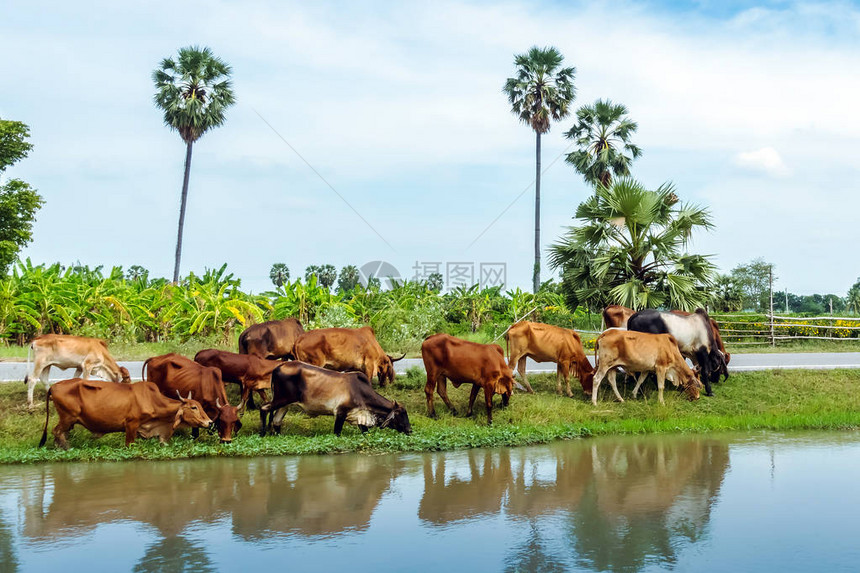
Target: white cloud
{"type": "Point", "coordinates": [765, 160]}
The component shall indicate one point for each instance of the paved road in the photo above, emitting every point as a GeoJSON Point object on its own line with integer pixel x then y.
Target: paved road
{"type": "Point", "coordinates": [15, 371]}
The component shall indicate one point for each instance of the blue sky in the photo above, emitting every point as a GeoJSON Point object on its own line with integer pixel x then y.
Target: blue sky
{"type": "Point", "coordinates": [748, 109]}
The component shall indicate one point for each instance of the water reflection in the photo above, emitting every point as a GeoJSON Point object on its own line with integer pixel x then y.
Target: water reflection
{"type": "Point", "coordinates": [603, 504]}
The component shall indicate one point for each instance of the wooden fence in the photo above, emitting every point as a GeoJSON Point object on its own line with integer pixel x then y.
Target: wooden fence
{"type": "Point", "coordinates": [750, 329]}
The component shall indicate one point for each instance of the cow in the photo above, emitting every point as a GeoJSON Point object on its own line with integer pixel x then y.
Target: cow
{"type": "Point", "coordinates": [642, 353]}
{"type": "Point", "coordinates": [547, 343]}
{"type": "Point", "coordinates": [174, 373]}
{"type": "Point", "coordinates": [271, 339]}
{"type": "Point", "coordinates": [88, 356]}
{"type": "Point", "coordinates": [249, 371]}
{"type": "Point", "coordinates": [616, 316]}
{"type": "Point", "coordinates": [347, 396]}
{"type": "Point", "coordinates": [717, 337]}
{"type": "Point", "coordinates": [345, 349]}
{"type": "Point", "coordinates": [463, 362]}
{"type": "Point", "coordinates": [694, 335]}
{"type": "Point", "coordinates": [105, 407]}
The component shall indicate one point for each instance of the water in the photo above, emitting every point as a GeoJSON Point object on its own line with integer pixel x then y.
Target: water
{"type": "Point", "coordinates": [690, 503]}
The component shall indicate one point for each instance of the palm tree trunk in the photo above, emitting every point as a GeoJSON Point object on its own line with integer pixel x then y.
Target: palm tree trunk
{"type": "Point", "coordinates": [182, 212]}
{"type": "Point", "coordinates": [536, 276]}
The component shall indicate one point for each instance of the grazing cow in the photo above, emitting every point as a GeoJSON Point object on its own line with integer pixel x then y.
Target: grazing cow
{"type": "Point", "coordinates": [174, 373]}
{"type": "Point", "coordinates": [717, 337]}
{"type": "Point", "coordinates": [345, 349]}
{"type": "Point", "coordinates": [250, 372]}
{"type": "Point", "coordinates": [88, 356]}
{"type": "Point", "coordinates": [463, 362]}
{"type": "Point", "coordinates": [106, 407]}
{"type": "Point", "coordinates": [642, 353]}
{"type": "Point", "coordinates": [345, 395]}
{"type": "Point", "coordinates": [616, 316]}
{"type": "Point", "coordinates": [694, 335]}
{"type": "Point", "coordinates": [271, 339]}
{"type": "Point", "coordinates": [547, 343]}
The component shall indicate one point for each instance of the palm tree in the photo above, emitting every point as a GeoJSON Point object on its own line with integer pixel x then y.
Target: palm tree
{"type": "Point", "coordinates": [194, 92]}
{"type": "Point", "coordinates": [541, 92]}
{"type": "Point", "coordinates": [853, 298]}
{"type": "Point", "coordinates": [279, 274]}
{"type": "Point", "coordinates": [602, 135]}
{"type": "Point", "coordinates": [630, 249]}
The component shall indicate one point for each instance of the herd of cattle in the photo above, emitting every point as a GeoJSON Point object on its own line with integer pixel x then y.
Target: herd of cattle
{"type": "Point", "coordinates": [329, 371]}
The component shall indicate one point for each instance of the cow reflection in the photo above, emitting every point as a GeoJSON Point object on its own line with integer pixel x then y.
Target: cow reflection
{"type": "Point", "coordinates": [304, 496]}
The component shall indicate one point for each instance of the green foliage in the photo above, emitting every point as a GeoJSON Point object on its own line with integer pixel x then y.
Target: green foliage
{"type": "Point", "coordinates": [753, 280]}
{"type": "Point", "coordinates": [630, 249]}
{"type": "Point", "coordinates": [853, 299]}
{"type": "Point", "coordinates": [435, 282]}
{"type": "Point", "coordinates": [325, 274]}
{"type": "Point", "coordinates": [279, 274]}
{"type": "Point", "coordinates": [194, 91]}
{"type": "Point", "coordinates": [602, 136]}
{"type": "Point", "coordinates": [13, 142]}
{"type": "Point", "coordinates": [541, 91]}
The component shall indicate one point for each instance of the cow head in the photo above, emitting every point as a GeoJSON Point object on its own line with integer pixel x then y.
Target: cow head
{"type": "Point", "coordinates": [191, 413]}
{"type": "Point", "coordinates": [397, 419]}
{"type": "Point", "coordinates": [124, 375]}
{"type": "Point", "coordinates": [718, 365]}
{"type": "Point", "coordinates": [690, 383]}
{"type": "Point", "coordinates": [228, 421]}
{"type": "Point", "coordinates": [505, 386]}
{"type": "Point", "coordinates": [386, 369]}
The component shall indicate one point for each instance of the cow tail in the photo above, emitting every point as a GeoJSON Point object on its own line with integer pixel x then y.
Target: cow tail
{"type": "Point", "coordinates": [47, 417]}
{"type": "Point", "coordinates": [143, 369]}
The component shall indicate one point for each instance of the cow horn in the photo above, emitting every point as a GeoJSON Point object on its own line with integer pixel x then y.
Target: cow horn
{"type": "Point", "coordinates": [218, 403]}
{"type": "Point", "coordinates": [189, 394]}
{"type": "Point", "coordinates": [180, 396]}
{"type": "Point", "coordinates": [388, 419]}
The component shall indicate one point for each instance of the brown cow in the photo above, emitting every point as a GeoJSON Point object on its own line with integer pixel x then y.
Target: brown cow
{"type": "Point", "coordinates": [345, 349]}
{"type": "Point", "coordinates": [88, 356]}
{"type": "Point", "coordinates": [642, 353]}
{"type": "Point", "coordinates": [547, 343]}
{"type": "Point", "coordinates": [271, 339]}
{"type": "Point", "coordinates": [174, 373]}
{"type": "Point", "coordinates": [345, 395]}
{"type": "Point", "coordinates": [106, 407]}
{"type": "Point", "coordinates": [463, 362]}
{"type": "Point", "coordinates": [250, 372]}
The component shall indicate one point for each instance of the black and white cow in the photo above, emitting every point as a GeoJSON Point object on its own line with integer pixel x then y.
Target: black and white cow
{"type": "Point", "coordinates": [695, 337]}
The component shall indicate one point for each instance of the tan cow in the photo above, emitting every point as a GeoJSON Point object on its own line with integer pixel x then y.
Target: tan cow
{"type": "Point", "coordinates": [88, 356]}
{"type": "Point", "coordinates": [548, 343]}
{"type": "Point", "coordinates": [345, 349]}
{"type": "Point", "coordinates": [642, 353]}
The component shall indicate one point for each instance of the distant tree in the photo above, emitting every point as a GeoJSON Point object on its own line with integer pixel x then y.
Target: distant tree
{"type": "Point", "coordinates": [852, 301]}
{"type": "Point", "coordinates": [311, 270]}
{"type": "Point", "coordinates": [279, 274]}
{"type": "Point", "coordinates": [137, 272]}
{"type": "Point", "coordinates": [194, 92]}
{"type": "Point", "coordinates": [540, 93]}
{"type": "Point", "coordinates": [602, 136]}
{"type": "Point", "coordinates": [348, 279]}
{"type": "Point", "coordinates": [728, 296]}
{"type": "Point", "coordinates": [18, 201]}
{"type": "Point", "coordinates": [753, 279]}
{"type": "Point", "coordinates": [326, 274]}
{"type": "Point", "coordinates": [435, 282]}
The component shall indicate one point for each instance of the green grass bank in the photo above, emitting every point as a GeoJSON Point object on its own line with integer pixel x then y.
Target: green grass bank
{"type": "Point", "coordinates": [777, 400]}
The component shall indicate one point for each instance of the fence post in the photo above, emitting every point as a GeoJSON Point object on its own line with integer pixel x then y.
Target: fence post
{"type": "Point", "coordinates": [770, 284]}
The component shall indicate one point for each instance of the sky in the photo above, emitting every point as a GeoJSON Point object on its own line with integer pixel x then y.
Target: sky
{"type": "Point", "coordinates": [397, 110]}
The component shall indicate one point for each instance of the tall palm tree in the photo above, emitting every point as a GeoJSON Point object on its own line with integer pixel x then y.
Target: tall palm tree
{"type": "Point", "coordinates": [193, 91]}
{"type": "Point", "coordinates": [602, 135]}
{"type": "Point", "coordinates": [540, 93]}
{"type": "Point", "coordinates": [630, 249]}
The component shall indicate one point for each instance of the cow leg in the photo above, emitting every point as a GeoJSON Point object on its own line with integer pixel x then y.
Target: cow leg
{"type": "Point", "coordinates": [661, 383]}
{"type": "Point", "coordinates": [429, 389]}
{"type": "Point", "coordinates": [702, 358]}
{"type": "Point", "coordinates": [78, 372]}
{"type": "Point", "coordinates": [339, 419]}
{"type": "Point", "coordinates": [31, 387]}
{"type": "Point", "coordinates": [521, 368]}
{"type": "Point", "coordinates": [195, 433]}
{"type": "Point", "coordinates": [442, 389]}
{"type": "Point", "coordinates": [488, 400]}
{"type": "Point", "coordinates": [362, 428]}
{"type": "Point", "coordinates": [612, 382]}
{"type": "Point", "coordinates": [598, 378]}
{"type": "Point", "coordinates": [564, 371]}
{"type": "Point", "coordinates": [61, 435]}
{"type": "Point", "coordinates": [639, 380]}
{"type": "Point", "coordinates": [130, 433]}
{"type": "Point", "coordinates": [472, 396]}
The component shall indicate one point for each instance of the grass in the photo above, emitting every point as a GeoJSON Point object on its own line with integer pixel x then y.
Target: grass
{"type": "Point", "coordinates": [777, 400]}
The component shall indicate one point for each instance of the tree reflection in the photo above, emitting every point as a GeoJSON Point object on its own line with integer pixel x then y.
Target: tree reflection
{"type": "Point", "coordinates": [175, 555]}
